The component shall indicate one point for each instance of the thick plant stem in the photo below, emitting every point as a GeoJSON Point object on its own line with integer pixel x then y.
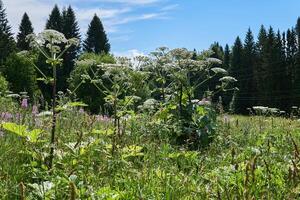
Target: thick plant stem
{"type": "Point", "coordinates": [180, 101]}
{"type": "Point", "coordinates": [115, 129]}
{"type": "Point", "coordinates": [72, 191]}
{"type": "Point", "coordinates": [22, 191]}
{"type": "Point", "coordinates": [53, 129]}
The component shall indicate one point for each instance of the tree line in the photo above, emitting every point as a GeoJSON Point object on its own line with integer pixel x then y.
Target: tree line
{"type": "Point", "coordinates": [267, 69]}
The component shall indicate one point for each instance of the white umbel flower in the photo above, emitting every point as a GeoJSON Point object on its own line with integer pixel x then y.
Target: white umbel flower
{"type": "Point", "coordinates": [228, 79]}
{"type": "Point", "coordinates": [218, 70]}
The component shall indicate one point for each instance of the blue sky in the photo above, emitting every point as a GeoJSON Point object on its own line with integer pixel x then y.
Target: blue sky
{"type": "Point", "coordinates": [139, 26]}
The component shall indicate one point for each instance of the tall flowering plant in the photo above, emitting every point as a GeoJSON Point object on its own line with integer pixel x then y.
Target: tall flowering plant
{"type": "Point", "coordinates": [52, 44]}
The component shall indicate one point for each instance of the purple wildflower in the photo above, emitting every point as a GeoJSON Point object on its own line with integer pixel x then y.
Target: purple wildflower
{"type": "Point", "coordinates": [102, 118]}
{"type": "Point", "coordinates": [35, 110]}
{"type": "Point", "coordinates": [18, 116]}
{"type": "Point", "coordinates": [6, 116]}
{"type": "Point", "coordinates": [24, 103]}
{"type": "Point", "coordinates": [81, 110]}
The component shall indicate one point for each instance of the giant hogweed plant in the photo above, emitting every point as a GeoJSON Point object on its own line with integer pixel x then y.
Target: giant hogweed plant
{"type": "Point", "coordinates": [52, 45]}
{"type": "Point", "coordinates": [173, 79]}
{"type": "Point", "coordinates": [176, 77]}
{"type": "Point", "coordinates": [170, 75]}
{"type": "Point", "coordinates": [117, 84]}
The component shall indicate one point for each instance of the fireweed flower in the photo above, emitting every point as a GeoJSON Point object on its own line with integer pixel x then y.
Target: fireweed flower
{"type": "Point", "coordinates": [24, 103]}
{"type": "Point", "coordinates": [35, 110]}
{"type": "Point", "coordinates": [6, 116]}
{"type": "Point", "coordinates": [102, 118]}
{"type": "Point", "coordinates": [81, 111]}
{"type": "Point", "coordinates": [18, 116]}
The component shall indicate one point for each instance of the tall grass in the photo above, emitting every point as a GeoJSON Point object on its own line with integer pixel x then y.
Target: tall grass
{"type": "Point", "coordinates": [251, 158]}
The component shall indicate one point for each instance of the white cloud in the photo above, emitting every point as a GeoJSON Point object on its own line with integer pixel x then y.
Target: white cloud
{"type": "Point", "coordinates": [37, 10]}
{"type": "Point", "coordinates": [112, 17]}
{"type": "Point", "coordinates": [130, 53]}
{"type": "Point", "coordinates": [85, 14]}
{"type": "Point", "coordinates": [136, 18]}
{"type": "Point", "coordinates": [113, 13]}
{"type": "Point", "coordinates": [170, 7]}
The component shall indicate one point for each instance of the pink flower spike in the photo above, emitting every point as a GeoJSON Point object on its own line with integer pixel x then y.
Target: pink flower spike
{"type": "Point", "coordinates": [35, 110]}
{"type": "Point", "coordinates": [81, 110]}
{"type": "Point", "coordinates": [24, 103]}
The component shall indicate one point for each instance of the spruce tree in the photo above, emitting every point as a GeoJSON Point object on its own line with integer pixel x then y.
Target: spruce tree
{"type": "Point", "coordinates": [236, 69]}
{"type": "Point", "coordinates": [70, 29]}
{"type": "Point", "coordinates": [226, 96]}
{"type": "Point", "coordinates": [247, 83]}
{"type": "Point", "coordinates": [280, 74]}
{"type": "Point", "coordinates": [261, 67]}
{"type": "Point", "coordinates": [194, 56]}
{"type": "Point", "coordinates": [291, 52]}
{"type": "Point", "coordinates": [226, 59]}
{"type": "Point", "coordinates": [7, 43]}
{"type": "Point", "coordinates": [96, 41]}
{"type": "Point", "coordinates": [55, 20]}
{"type": "Point", "coordinates": [217, 51]}
{"type": "Point", "coordinates": [297, 67]}
{"type": "Point", "coordinates": [270, 70]}
{"type": "Point", "coordinates": [25, 29]}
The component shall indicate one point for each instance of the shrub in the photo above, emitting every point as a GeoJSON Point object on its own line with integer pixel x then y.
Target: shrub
{"type": "Point", "coordinates": [87, 92]}
{"type": "Point", "coordinates": [20, 73]}
{"type": "Point", "coordinates": [3, 85]}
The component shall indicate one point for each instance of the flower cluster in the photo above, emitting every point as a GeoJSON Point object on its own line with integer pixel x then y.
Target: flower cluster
{"type": "Point", "coordinates": [51, 39]}
{"type": "Point", "coordinates": [228, 79]}
{"type": "Point", "coordinates": [218, 70]}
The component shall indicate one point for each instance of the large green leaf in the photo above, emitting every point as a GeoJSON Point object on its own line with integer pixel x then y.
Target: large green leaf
{"type": "Point", "coordinates": [22, 131]}
{"type": "Point", "coordinates": [15, 128]}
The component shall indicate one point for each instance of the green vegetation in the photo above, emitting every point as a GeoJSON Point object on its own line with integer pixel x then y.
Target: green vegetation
{"type": "Point", "coordinates": [250, 158]}
{"type": "Point", "coordinates": [20, 72]}
{"type": "Point", "coordinates": [88, 125]}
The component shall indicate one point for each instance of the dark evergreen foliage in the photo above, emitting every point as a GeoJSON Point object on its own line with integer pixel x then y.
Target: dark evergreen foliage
{"type": "Point", "coordinates": [194, 57]}
{"type": "Point", "coordinates": [70, 29]}
{"type": "Point", "coordinates": [247, 90]}
{"type": "Point", "coordinates": [7, 43]}
{"type": "Point", "coordinates": [268, 71]}
{"type": "Point", "coordinates": [217, 50]}
{"type": "Point", "coordinates": [25, 29]}
{"type": "Point", "coordinates": [226, 59]}
{"type": "Point", "coordinates": [96, 41]}
{"type": "Point", "coordinates": [55, 20]}
{"type": "Point", "coordinates": [236, 69]}
{"type": "Point", "coordinates": [20, 73]}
